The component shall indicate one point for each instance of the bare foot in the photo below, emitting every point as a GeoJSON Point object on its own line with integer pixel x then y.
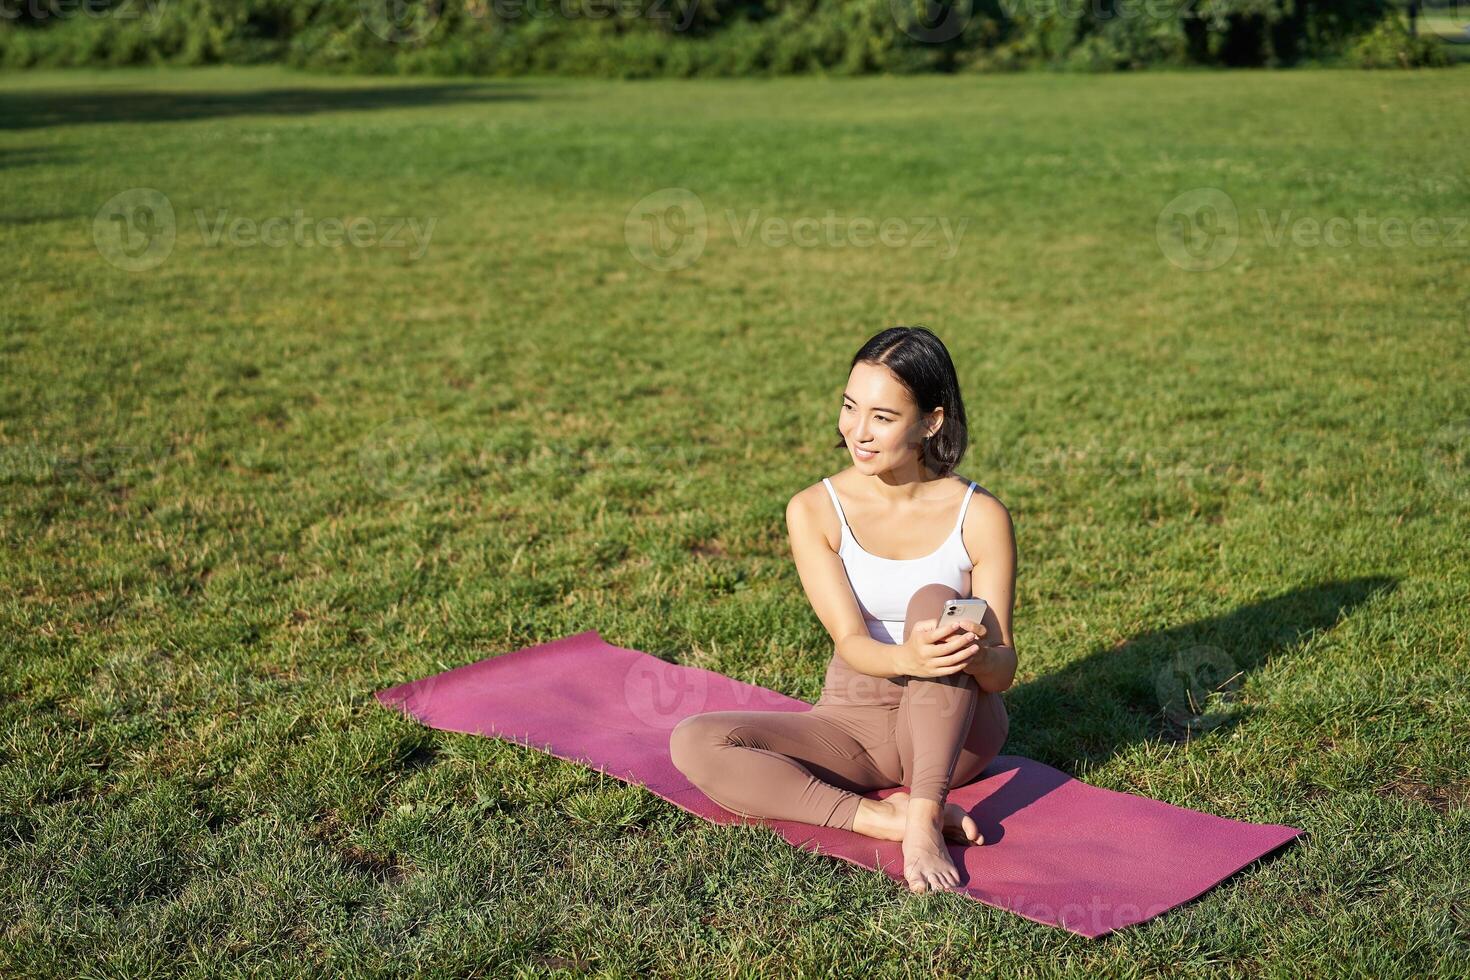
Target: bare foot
{"type": "Point", "coordinates": [926, 862]}
{"type": "Point", "coordinates": [959, 826]}
{"type": "Point", "coordinates": [887, 819]}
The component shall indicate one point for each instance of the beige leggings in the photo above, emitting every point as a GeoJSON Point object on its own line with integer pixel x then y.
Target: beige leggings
{"type": "Point", "coordinates": [813, 765]}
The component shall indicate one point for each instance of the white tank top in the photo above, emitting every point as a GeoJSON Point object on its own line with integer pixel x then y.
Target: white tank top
{"type": "Point", "coordinates": [884, 586]}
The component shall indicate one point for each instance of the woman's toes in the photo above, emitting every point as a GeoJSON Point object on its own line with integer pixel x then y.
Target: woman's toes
{"type": "Point", "coordinates": [960, 826]}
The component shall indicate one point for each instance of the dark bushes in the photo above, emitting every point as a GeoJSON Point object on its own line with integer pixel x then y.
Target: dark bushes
{"type": "Point", "coordinates": [647, 38]}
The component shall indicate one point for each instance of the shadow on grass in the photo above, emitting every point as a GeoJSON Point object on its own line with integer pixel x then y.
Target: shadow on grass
{"type": "Point", "coordinates": [1173, 683]}
{"type": "Point", "coordinates": [39, 108]}
{"type": "Point", "coordinates": [16, 157]}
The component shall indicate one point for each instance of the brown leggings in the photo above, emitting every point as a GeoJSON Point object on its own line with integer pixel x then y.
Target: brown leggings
{"type": "Point", "coordinates": [813, 765]}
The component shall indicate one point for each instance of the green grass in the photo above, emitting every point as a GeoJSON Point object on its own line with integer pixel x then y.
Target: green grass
{"type": "Point", "coordinates": [218, 544]}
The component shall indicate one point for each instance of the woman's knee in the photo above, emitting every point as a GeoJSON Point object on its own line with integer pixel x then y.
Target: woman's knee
{"type": "Point", "coordinates": [948, 692]}
{"type": "Point", "coordinates": [691, 743]}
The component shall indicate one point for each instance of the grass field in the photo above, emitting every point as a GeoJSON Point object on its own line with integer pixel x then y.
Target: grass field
{"type": "Point", "coordinates": [245, 485]}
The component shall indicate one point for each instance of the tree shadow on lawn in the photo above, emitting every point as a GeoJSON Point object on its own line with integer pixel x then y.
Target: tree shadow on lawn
{"type": "Point", "coordinates": [39, 108]}
{"type": "Point", "coordinates": [1174, 683]}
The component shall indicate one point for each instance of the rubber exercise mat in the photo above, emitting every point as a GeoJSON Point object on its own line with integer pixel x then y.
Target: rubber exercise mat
{"type": "Point", "coordinates": [1058, 851]}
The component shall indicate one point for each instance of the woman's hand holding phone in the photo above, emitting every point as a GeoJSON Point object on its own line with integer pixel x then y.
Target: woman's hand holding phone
{"type": "Point", "coordinates": [932, 650]}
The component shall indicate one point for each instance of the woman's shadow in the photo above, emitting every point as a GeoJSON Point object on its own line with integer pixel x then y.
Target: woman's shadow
{"type": "Point", "coordinates": [1174, 684]}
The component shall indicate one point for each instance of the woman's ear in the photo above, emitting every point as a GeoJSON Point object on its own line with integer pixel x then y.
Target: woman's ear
{"type": "Point", "coordinates": [938, 423]}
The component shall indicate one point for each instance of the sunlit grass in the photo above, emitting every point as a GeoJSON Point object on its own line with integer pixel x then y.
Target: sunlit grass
{"type": "Point", "coordinates": [248, 486]}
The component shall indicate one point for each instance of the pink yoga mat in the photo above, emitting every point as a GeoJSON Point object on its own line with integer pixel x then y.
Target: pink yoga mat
{"type": "Point", "coordinates": [1058, 851]}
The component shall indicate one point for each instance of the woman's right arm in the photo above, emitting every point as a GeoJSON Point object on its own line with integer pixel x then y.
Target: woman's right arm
{"type": "Point", "coordinates": [824, 579]}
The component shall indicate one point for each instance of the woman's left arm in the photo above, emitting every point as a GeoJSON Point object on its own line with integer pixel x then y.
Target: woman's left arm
{"type": "Point", "coordinates": [994, 580]}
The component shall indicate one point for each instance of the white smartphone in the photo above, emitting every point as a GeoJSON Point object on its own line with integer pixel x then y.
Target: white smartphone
{"type": "Point", "coordinates": [957, 609]}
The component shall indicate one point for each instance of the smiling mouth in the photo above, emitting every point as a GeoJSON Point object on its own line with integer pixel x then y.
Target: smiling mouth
{"type": "Point", "coordinates": [864, 452]}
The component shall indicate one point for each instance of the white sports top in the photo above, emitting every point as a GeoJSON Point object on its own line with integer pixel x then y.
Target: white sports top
{"type": "Point", "coordinates": [884, 586]}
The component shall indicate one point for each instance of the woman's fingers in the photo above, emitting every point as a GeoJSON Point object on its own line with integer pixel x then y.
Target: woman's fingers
{"type": "Point", "coordinates": [957, 643]}
{"type": "Point", "coordinates": [957, 657]}
{"type": "Point", "coordinates": [979, 629]}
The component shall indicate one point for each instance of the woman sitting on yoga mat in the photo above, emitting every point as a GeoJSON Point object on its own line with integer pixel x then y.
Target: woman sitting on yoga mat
{"type": "Point", "coordinates": [879, 548]}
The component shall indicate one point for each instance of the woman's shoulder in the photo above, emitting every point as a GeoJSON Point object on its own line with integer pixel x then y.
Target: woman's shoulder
{"type": "Point", "coordinates": [808, 494]}
{"type": "Point", "coordinates": [812, 507]}
{"type": "Point", "coordinates": [985, 515]}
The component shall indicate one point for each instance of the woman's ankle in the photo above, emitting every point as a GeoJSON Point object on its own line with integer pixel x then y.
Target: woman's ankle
{"type": "Point", "coordinates": [925, 809]}
{"type": "Point", "coordinates": [877, 818]}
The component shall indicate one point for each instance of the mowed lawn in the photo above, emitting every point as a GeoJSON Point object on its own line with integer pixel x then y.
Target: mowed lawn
{"type": "Point", "coordinates": [245, 485]}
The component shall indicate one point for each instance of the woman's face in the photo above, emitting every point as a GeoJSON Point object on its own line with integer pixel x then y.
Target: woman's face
{"type": "Point", "coordinates": [878, 414]}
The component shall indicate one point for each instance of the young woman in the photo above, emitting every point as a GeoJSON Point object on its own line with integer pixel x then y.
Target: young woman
{"type": "Point", "coordinates": [879, 548]}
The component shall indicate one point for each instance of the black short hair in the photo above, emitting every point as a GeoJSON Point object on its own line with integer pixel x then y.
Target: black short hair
{"type": "Point", "coordinates": [921, 362]}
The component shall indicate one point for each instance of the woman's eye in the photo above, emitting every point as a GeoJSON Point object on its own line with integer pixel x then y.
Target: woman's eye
{"type": "Point", "coordinates": [848, 408]}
